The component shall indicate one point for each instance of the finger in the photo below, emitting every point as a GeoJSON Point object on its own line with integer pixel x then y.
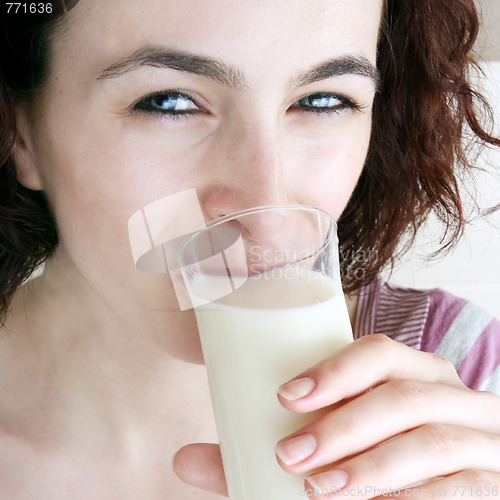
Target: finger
{"type": "Point", "coordinates": [359, 366]}
{"type": "Point", "coordinates": [428, 451]}
{"type": "Point", "coordinates": [388, 410]}
{"type": "Point", "coordinates": [200, 465]}
{"type": "Point", "coordinates": [465, 484]}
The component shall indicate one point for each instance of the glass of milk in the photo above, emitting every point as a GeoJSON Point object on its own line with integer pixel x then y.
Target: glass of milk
{"type": "Point", "coordinates": [265, 286]}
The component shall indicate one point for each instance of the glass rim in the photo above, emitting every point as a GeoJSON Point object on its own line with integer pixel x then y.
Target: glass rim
{"type": "Point", "coordinates": [268, 208]}
{"type": "Point", "coordinates": [332, 228]}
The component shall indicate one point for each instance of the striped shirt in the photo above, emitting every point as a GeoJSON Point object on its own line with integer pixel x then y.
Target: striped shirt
{"type": "Point", "coordinates": [435, 321]}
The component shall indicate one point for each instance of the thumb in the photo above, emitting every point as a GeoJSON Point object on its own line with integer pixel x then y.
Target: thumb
{"type": "Point", "coordinates": [200, 465]}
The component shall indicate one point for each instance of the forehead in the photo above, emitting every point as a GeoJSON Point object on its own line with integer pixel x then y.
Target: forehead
{"type": "Point", "coordinates": [259, 36]}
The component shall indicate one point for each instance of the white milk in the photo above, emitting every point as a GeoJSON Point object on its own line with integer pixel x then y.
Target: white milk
{"type": "Point", "coordinates": [249, 352]}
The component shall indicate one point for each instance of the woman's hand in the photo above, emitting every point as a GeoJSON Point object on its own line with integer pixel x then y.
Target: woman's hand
{"type": "Point", "coordinates": [400, 417]}
{"type": "Point", "coordinates": [396, 417]}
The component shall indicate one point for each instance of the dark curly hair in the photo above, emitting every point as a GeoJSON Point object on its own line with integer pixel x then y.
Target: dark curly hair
{"type": "Point", "coordinates": [424, 107]}
{"type": "Point", "coordinates": [28, 233]}
{"type": "Point", "coordinates": [427, 117]}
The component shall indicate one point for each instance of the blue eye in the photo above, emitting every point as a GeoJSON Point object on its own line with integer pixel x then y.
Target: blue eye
{"type": "Point", "coordinates": [171, 103]}
{"type": "Point", "coordinates": [323, 102]}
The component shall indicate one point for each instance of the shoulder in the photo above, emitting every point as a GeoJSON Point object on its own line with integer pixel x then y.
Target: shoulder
{"type": "Point", "coordinates": [436, 321]}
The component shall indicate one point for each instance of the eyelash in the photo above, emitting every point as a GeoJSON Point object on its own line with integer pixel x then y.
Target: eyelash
{"type": "Point", "coordinates": [345, 104]}
{"type": "Point", "coordinates": [145, 105]}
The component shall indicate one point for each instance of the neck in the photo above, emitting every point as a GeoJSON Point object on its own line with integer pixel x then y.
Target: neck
{"type": "Point", "coordinates": [66, 304]}
{"type": "Point", "coordinates": [76, 346]}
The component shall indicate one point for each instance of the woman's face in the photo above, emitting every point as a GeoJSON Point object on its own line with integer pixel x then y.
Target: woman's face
{"type": "Point", "coordinates": [249, 102]}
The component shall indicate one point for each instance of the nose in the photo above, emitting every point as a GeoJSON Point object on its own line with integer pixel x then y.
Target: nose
{"type": "Point", "coordinates": [257, 164]}
{"type": "Point", "coordinates": [253, 167]}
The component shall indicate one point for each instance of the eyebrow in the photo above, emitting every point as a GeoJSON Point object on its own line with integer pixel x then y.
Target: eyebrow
{"type": "Point", "coordinates": [230, 76]}
{"type": "Point", "coordinates": [340, 66]}
{"type": "Point", "coordinates": [176, 60]}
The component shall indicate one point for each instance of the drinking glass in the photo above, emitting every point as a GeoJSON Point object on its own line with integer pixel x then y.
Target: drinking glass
{"type": "Point", "coordinates": [266, 290]}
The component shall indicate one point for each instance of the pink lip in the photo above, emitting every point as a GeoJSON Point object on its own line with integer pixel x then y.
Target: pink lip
{"type": "Point", "coordinates": [252, 270]}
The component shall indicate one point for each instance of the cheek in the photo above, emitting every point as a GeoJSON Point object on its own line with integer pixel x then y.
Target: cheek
{"type": "Point", "coordinates": [96, 178]}
{"type": "Point", "coordinates": [334, 167]}
{"type": "Point", "coordinates": [93, 189]}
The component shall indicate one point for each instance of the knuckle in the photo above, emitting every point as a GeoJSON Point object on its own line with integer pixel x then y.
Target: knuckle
{"type": "Point", "coordinates": [389, 350]}
{"type": "Point", "coordinates": [344, 428]}
{"type": "Point", "coordinates": [376, 339]}
{"type": "Point", "coordinates": [376, 465]}
{"type": "Point", "coordinates": [332, 368]}
{"type": "Point", "coordinates": [446, 365]}
{"type": "Point", "coordinates": [443, 439]}
{"type": "Point", "coordinates": [410, 392]}
{"type": "Point", "coordinates": [446, 370]}
{"type": "Point", "coordinates": [331, 371]}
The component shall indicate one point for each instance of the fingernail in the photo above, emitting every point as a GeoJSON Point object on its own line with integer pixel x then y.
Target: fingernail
{"type": "Point", "coordinates": [296, 449]}
{"type": "Point", "coordinates": [297, 388]}
{"type": "Point", "coordinates": [328, 482]}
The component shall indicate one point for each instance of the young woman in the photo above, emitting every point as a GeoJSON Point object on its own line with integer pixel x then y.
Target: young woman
{"type": "Point", "coordinates": [357, 107]}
